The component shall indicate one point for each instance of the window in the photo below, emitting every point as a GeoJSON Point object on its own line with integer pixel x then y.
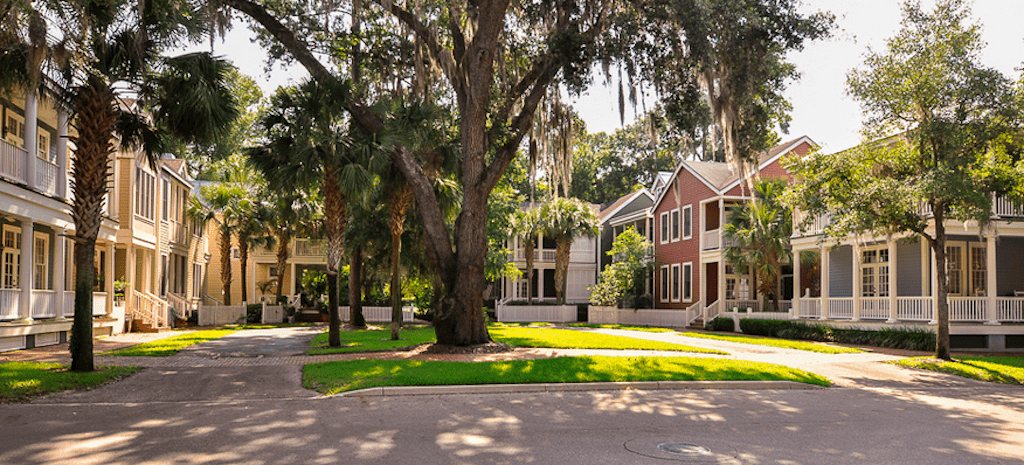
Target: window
{"type": "Point", "coordinates": [676, 283]}
{"type": "Point", "coordinates": [955, 268]}
{"type": "Point", "coordinates": [163, 276]}
{"type": "Point", "coordinates": [41, 261]}
{"type": "Point", "coordinates": [10, 261]}
{"type": "Point", "coordinates": [145, 185]}
{"type": "Point", "coordinates": [978, 270]}
{"type": "Point", "coordinates": [664, 228]}
{"type": "Point", "coordinates": [14, 129]}
{"type": "Point", "coordinates": [273, 271]}
{"type": "Point", "coordinates": [874, 273]}
{"type": "Point", "coordinates": [166, 200]}
{"type": "Point", "coordinates": [687, 213]}
{"type": "Point", "coordinates": [664, 283]}
{"type": "Point", "coordinates": [967, 267]}
{"type": "Point", "coordinates": [687, 282]}
{"type": "Point", "coordinates": [675, 225]}
{"type": "Point", "coordinates": [43, 148]}
{"type": "Point", "coordinates": [236, 254]}
{"type": "Point", "coordinates": [737, 287]}
{"type": "Point", "coordinates": [197, 279]}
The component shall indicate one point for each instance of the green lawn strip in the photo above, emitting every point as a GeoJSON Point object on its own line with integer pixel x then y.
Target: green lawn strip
{"type": "Point", "coordinates": [783, 343]}
{"type": "Point", "coordinates": [646, 329]}
{"type": "Point", "coordinates": [171, 345]}
{"type": "Point", "coordinates": [371, 340]}
{"type": "Point", "coordinates": [571, 339]}
{"type": "Point", "coordinates": [22, 381]}
{"type": "Point", "coordinates": [335, 377]}
{"type": "Point", "coordinates": [1006, 370]}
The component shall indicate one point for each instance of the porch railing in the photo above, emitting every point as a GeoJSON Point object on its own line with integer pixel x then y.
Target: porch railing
{"type": "Point", "coordinates": [967, 308]}
{"type": "Point", "coordinates": [840, 308]}
{"type": "Point", "coordinates": [44, 303]}
{"type": "Point", "coordinates": [874, 308]}
{"type": "Point", "coordinates": [712, 311]}
{"type": "Point", "coordinates": [914, 309]}
{"type": "Point", "coordinates": [810, 307]}
{"type": "Point", "coordinates": [10, 302]}
{"type": "Point", "coordinates": [310, 248]}
{"type": "Point", "coordinates": [178, 305]}
{"type": "Point", "coordinates": [694, 311]}
{"type": "Point", "coordinates": [99, 303]}
{"type": "Point", "coordinates": [743, 304]}
{"type": "Point", "coordinates": [12, 162]}
{"type": "Point", "coordinates": [46, 176]}
{"type": "Point", "coordinates": [147, 307]}
{"type": "Point", "coordinates": [711, 240]}
{"type": "Point", "coordinates": [69, 304]}
{"type": "Point", "coordinates": [1011, 309]}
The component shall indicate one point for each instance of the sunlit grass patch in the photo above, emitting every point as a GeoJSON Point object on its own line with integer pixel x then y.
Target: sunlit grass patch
{"type": "Point", "coordinates": [648, 329]}
{"type": "Point", "coordinates": [373, 340]}
{"type": "Point", "coordinates": [570, 339]}
{"type": "Point", "coordinates": [1006, 370]}
{"type": "Point", "coordinates": [782, 343]}
{"type": "Point", "coordinates": [22, 381]}
{"type": "Point", "coordinates": [335, 377]}
{"type": "Point", "coordinates": [171, 345]}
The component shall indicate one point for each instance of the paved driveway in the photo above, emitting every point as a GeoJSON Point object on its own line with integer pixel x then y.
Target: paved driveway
{"type": "Point", "coordinates": [255, 412]}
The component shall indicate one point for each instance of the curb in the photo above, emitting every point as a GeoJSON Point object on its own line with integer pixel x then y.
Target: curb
{"type": "Point", "coordinates": [392, 391]}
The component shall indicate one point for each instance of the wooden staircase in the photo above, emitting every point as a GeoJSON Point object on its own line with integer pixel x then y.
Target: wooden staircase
{"type": "Point", "coordinates": [147, 313]}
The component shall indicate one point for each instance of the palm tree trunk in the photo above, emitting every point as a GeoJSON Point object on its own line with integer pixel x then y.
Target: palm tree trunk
{"type": "Point", "coordinates": [563, 247]}
{"type": "Point", "coordinates": [355, 283]}
{"type": "Point", "coordinates": [283, 242]}
{"type": "Point", "coordinates": [399, 203]}
{"type": "Point", "coordinates": [225, 263]}
{"type": "Point", "coordinates": [91, 170]}
{"type": "Point", "coordinates": [335, 213]}
{"type": "Point", "coordinates": [528, 250]}
{"type": "Point", "coordinates": [243, 258]}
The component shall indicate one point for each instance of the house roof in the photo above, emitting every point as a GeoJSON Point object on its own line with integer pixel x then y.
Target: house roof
{"type": "Point", "coordinates": [720, 177]}
{"type": "Point", "coordinates": [620, 203]}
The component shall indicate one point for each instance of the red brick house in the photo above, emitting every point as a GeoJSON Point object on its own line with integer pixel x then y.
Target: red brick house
{"type": "Point", "coordinates": [688, 243]}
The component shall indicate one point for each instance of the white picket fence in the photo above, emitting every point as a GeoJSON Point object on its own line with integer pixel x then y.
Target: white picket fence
{"type": "Point", "coordinates": [639, 317]}
{"type": "Point", "coordinates": [531, 313]}
{"type": "Point", "coordinates": [213, 315]}
{"type": "Point", "coordinates": [376, 314]}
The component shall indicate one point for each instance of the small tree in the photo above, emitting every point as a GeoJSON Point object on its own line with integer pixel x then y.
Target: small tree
{"type": "Point", "coordinates": [761, 230]}
{"type": "Point", "coordinates": [564, 220]}
{"type": "Point", "coordinates": [949, 155]}
{"type": "Point", "coordinates": [627, 275]}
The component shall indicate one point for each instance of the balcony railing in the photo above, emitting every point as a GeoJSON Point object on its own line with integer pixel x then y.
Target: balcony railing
{"type": "Point", "coordinates": [46, 176]}
{"type": "Point", "coordinates": [711, 240]}
{"type": "Point", "coordinates": [44, 304]}
{"type": "Point", "coordinates": [10, 302]}
{"type": "Point", "coordinates": [12, 162]}
{"type": "Point", "coordinates": [310, 248]}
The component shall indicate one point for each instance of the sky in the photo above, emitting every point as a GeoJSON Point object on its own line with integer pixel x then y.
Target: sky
{"type": "Point", "coordinates": [821, 108]}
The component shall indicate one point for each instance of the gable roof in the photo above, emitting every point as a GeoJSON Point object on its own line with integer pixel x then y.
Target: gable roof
{"type": "Point", "coordinates": [720, 177]}
{"type": "Point", "coordinates": [620, 203]}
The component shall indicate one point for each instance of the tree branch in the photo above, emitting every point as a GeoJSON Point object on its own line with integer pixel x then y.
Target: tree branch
{"type": "Point", "coordinates": [283, 34]}
{"type": "Point", "coordinates": [433, 221]}
{"type": "Point", "coordinates": [431, 42]}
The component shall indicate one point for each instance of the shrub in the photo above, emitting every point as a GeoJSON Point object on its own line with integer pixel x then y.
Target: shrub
{"type": "Point", "coordinates": [253, 313]}
{"type": "Point", "coordinates": [721, 324]}
{"type": "Point", "coordinates": [893, 338]}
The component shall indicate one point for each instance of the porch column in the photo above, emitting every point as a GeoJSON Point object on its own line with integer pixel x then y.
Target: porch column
{"type": "Point", "coordinates": [721, 222]}
{"type": "Point", "coordinates": [27, 242]}
{"type": "Point", "coordinates": [291, 285]}
{"type": "Point", "coordinates": [991, 306]}
{"type": "Point", "coordinates": [857, 278]}
{"type": "Point", "coordinates": [892, 282]}
{"type": "Point", "coordinates": [59, 261]}
{"type": "Point", "coordinates": [825, 282]}
{"type": "Point", "coordinates": [794, 312]}
{"type": "Point", "coordinates": [721, 281]}
{"type": "Point", "coordinates": [31, 141]}
{"type": "Point", "coordinates": [109, 280]}
{"type": "Point", "coordinates": [62, 153]}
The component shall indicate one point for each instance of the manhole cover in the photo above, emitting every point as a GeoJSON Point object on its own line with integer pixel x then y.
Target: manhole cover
{"type": "Point", "coordinates": [684, 449]}
{"type": "Point", "coordinates": [710, 450]}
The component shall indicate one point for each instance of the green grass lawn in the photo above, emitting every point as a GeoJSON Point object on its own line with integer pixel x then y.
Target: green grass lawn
{"type": "Point", "coordinates": [783, 343]}
{"type": "Point", "coordinates": [335, 377]}
{"type": "Point", "coordinates": [22, 381]}
{"type": "Point", "coordinates": [1006, 370]}
{"type": "Point", "coordinates": [570, 339]}
{"type": "Point", "coordinates": [373, 340]}
{"type": "Point", "coordinates": [171, 345]}
{"type": "Point", "coordinates": [647, 329]}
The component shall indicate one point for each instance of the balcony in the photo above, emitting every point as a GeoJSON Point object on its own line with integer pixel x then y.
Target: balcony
{"type": "Point", "coordinates": [715, 240]}
{"type": "Point", "coordinates": [14, 166]}
{"type": "Point", "coordinates": [309, 248]}
{"type": "Point", "coordinates": [914, 309]}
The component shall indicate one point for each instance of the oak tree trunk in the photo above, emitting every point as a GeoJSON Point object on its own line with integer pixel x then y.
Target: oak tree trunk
{"type": "Point", "coordinates": [355, 283]}
{"type": "Point", "coordinates": [942, 278]}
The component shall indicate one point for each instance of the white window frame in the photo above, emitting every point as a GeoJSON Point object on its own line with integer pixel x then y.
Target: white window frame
{"type": "Point", "coordinates": [10, 260]}
{"type": "Point", "coordinates": [665, 282]}
{"type": "Point", "coordinates": [16, 135]}
{"type": "Point", "coordinates": [43, 147]}
{"type": "Point", "coordinates": [877, 269]}
{"type": "Point", "coordinates": [663, 231]}
{"type": "Point", "coordinates": [676, 281]}
{"type": "Point", "coordinates": [686, 221]}
{"type": "Point", "coordinates": [686, 278]}
{"type": "Point", "coordinates": [40, 270]}
{"type": "Point", "coordinates": [145, 183]}
{"type": "Point", "coordinates": [675, 226]}
{"type": "Point", "coordinates": [165, 200]}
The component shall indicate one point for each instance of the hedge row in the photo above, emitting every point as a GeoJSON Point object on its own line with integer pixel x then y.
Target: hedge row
{"type": "Point", "coordinates": [893, 338]}
{"type": "Point", "coordinates": [721, 324]}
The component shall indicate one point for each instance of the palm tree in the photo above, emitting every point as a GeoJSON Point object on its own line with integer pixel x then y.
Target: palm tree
{"type": "Point", "coordinates": [223, 201]}
{"type": "Point", "coordinates": [292, 214]}
{"type": "Point", "coordinates": [527, 226]}
{"type": "Point", "coordinates": [251, 230]}
{"type": "Point", "coordinates": [761, 231]}
{"type": "Point", "coordinates": [564, 220]}
{"type": "Point", "coordinates": [116, 41]}
{"type": "Point", "coordinates": [310, 146]}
